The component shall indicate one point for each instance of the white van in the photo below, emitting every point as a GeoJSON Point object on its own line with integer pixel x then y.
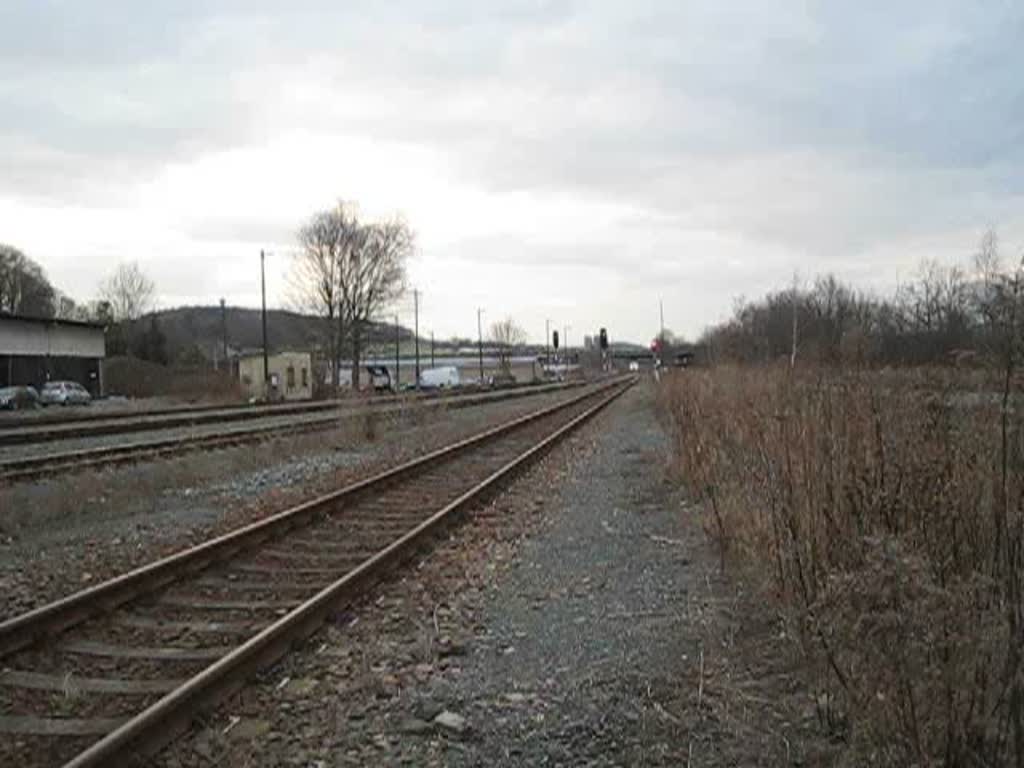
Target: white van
{"type": "Point", "coordinates": [440, 378]}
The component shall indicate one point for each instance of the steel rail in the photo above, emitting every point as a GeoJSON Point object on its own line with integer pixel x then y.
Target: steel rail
{"type": "Point", "coordinates": [156, 725]}
{"type": "Point", "coordinates": [29, 431]}
{"type": "Point", "coordinates": [13, 421]}
{"type": "Point", "coordinates": [24, 630]}
{"type": "Point", "coordinates": [36, 467]}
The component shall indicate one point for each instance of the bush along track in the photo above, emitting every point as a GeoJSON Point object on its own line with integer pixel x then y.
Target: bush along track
{"type": "Point", "coordinates": [884, 512]}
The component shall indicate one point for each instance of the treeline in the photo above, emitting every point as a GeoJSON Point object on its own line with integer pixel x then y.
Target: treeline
{"type": "Point", "coordinates": [125, 297]}
{"type": "Point", "coordinates": [24, 287]}
{"type": "Point", "coordinates": [945, 315]}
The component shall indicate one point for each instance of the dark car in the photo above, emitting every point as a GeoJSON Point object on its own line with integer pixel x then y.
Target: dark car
{"type": "Point", "coordinates": [17, 398]}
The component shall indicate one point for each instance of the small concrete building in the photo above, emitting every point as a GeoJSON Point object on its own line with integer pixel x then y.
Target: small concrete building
{"type": "Point", "coordinates": [36, 350]}
{"type": "Point", "coordinates": [291, 376]}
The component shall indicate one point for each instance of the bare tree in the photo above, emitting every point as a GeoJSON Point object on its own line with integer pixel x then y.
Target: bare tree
{"type": "Point", "coordinates": [348, 272]}
{"type": "Point", "coordinates": [65, 307]}
{"type": "Point", "coordinates": [314, 284]}
{"type": "Point", "coordinates": [506, 335]}
{"type": "Point", "coordinates": [1001, 306]}
{"type": "Point", "coordinates": [794, 299]}
{"type": "Point", "coordinates": [24, 288]}
{"type": "Point", "coordinates": [129, 292]}
{"type": "Point", "coordinates": [371, 276]}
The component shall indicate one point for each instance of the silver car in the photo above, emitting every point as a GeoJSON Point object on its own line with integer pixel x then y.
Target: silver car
{"type": "Point", "coordinates": [64, 393]}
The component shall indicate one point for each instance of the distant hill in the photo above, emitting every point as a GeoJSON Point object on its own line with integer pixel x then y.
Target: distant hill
{"type": "Point", "coordinates": [197, 330]}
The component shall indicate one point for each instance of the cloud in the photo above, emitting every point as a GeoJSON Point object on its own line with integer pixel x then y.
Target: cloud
{"type": "Point", "coordinates": [573, 158]}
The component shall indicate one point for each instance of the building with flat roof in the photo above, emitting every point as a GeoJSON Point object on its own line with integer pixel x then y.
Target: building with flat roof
{"type": "Point", "coordinates": [36, 350]}
{"type": "Point", "coordinates": [291, 376]}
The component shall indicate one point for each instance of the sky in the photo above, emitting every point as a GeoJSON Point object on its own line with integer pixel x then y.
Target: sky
{"type": "Point", "coordinates": [577, 162]}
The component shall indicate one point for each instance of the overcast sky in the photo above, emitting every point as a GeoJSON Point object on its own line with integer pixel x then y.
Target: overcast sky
{"type": "Point", "coordinates": [566, 160]}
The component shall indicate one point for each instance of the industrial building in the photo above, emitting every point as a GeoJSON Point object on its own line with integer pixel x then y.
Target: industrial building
{"type": "Point", "coordinates": [36, 350]}
{"type": "Point", "coordinates": [290, 376]}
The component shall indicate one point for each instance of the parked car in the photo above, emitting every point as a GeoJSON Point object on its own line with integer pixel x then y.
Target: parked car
{"type": "Point", "coordinates": [16, 398]}
{"type": "Point", "coordinates": [64, 393]}
{"type": "Point", "coordinates": [440, 378]}
{"type": "Point", "coordinates": [380, 377]}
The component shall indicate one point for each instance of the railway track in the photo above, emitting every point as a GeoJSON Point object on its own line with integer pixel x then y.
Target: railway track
{"type": "Point", "coordinates": [43, 429]}
{"type": "Point", "coordinates": [62, 462]}
{"type": "Point", "coordinates": [107, 675]}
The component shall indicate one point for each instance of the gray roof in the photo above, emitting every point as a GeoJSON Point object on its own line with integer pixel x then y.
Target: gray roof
{"type": "Point", "coordinates": [51, 321]}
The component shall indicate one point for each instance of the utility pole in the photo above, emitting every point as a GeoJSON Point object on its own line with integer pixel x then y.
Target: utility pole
{"type": "Point", "coordinates": [661, 334]}
{"type": "Point", "coordinates": [480, 342]}
{"type": "Point", "coordinates": [565, 346]}
{"type": "Point", "coordinates": [398, 362]}
{"type": "Point", "coordinates": [224, 332]}
{"type": "Point", "coordinates": [432, 349]}
{"type": "Point", "coordinates": [416, 324]}
{"type": "Point", "coordinates": [547, 340]}
{"type": "Point", "coordinates": [266, 356]}
{"type": "Point", "coordinates": [661, 309]}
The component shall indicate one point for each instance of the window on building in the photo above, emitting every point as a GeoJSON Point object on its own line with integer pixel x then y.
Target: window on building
{"type": "Point", "coordinates": [305, 378]}
{"type": "Point", "coordinates": [290, 377]}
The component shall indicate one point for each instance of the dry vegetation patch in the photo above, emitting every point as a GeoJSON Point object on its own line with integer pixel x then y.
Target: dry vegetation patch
{"type": "Point", "coordinates": [884, 512]}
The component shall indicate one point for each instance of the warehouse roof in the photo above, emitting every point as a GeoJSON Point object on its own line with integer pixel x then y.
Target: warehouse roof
{"type": "Point", "coordinates": [51, 321]}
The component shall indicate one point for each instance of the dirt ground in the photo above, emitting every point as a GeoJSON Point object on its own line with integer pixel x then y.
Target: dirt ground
{"type": "Point", "coordinates": [579, 619]}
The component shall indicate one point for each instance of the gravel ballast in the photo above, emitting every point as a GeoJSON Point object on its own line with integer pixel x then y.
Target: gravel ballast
{"type": "Point", "coordinates": [60, 535]}
{"type": "Point", "coordinates": [580, 659]}
{"type": "Point", "coordinates": [578, 619]}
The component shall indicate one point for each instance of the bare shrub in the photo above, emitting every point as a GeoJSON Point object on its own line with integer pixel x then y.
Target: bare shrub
{"type": "Point", "coordinates": [133, 377]}
{"type": "Point", "coordinates": [884, 512]}
{"type": "Point", "coordinates": [371, 424]}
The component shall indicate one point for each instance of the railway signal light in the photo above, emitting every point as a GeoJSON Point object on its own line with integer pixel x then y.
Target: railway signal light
{"type": "Point", "coordinates": [554, 339]}
{"type": "Point", "coordinates": [604, 338]}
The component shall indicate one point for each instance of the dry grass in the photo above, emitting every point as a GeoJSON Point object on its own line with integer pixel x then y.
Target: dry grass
{"type": "Point", "coordinates": [98, 494]}
{"type": "Point", "coordinates": [90, 497]}
{"type": "Point", "coordinates": [95, 496]}
{"type": "Point", "coordinates": [884, 513]}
